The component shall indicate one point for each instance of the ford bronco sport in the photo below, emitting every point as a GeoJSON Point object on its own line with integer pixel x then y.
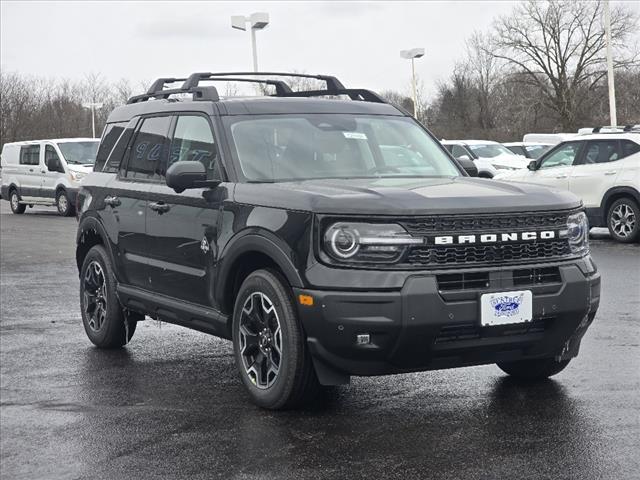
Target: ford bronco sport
{"type": "Point", "coordinates": [327, 234]}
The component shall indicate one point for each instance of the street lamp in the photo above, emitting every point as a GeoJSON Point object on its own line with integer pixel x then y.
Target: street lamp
{"type": "Point", "coordinates": [412, 55]}
{"type": "Point", "coordinates": [258, 21]}
{"type": "Point", "coordinates": [93, 106]}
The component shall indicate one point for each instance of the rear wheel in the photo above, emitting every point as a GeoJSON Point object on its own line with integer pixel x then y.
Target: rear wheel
{"type": "Point", "coordinates": [103, 317]}
{"type": "Point", "coordinates": [534, 369]}
{"type": "Point", "coordinates": [269, 345]}
{"type": "Point", "coordinates": [65, 209]}
{"type": "Point", "coordinates": [14, 199]}
{"type": "Point", "coordinates": [623, 220]}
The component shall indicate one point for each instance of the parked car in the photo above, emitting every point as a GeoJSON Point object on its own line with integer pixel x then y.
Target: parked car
{"type": "Point", "coordinates": [460, 151]}
{"type": "Point", "coordinates": [325, 238]}
{"type": "Point", "coordinates": [46, 172]}
{"type": "Point", "coordinates": [530, 150]}
{"type": "Point", "coordinates": [499, 156]}
{"type": "Point", "coordinates": [602, 169]}
{"type": "Point", "coordinates": [547, 138]}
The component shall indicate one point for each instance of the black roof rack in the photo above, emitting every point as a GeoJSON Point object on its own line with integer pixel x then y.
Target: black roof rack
{"type": "Point", "coordinates": [192, 85]}
{"type": "Point", "coordinates": [617, 128]}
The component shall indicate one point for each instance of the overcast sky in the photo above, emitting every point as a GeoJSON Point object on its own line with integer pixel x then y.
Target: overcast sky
{"type": "Point", "coordinates": [359, 42]}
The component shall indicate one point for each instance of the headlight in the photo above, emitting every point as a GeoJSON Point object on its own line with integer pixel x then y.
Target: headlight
{"type": "Point", "coordinates": [367, 242]}
{"type": "Point", "coordinates": [76, 175]}
{"type": "Point", "coordinates": [577, 232]}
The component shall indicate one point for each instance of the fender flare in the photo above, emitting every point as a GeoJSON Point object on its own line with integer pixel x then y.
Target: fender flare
{"type": "Point", "coordinates": [93, 223]}
{"type": "Point", "coordinates": [630, 191]}
{"type": "Point", "coordinates": [261, 242]}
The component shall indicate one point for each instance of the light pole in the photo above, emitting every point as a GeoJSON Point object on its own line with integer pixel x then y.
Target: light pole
{"type": "Point", "coordinates": [258, 21]}
{"type": "Point", "coordinates": [612, 88]}
{"type": "Point", "coordinates": [93, 106]}
{"type": "Point", "coordinates": [412, 55]}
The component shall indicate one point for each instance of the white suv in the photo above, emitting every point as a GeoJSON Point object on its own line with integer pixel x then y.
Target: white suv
{"type": "Point", "coordinates": [489, 157]}
{"type": "Point", "coordinates": [603, 169]}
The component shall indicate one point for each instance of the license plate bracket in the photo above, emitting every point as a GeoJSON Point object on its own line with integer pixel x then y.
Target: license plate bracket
{"type": "Point", "coordinates": [506, 308]}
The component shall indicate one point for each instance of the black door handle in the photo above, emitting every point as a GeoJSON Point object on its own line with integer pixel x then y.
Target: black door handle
{"type": "Point", "coordinates": [160, 207]}
{"type": "Point", "coordinates": [112, 201]}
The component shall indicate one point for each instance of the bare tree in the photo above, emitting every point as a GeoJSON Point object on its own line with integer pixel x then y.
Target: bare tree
{"type": "Point", "coordinates": [560, 46]}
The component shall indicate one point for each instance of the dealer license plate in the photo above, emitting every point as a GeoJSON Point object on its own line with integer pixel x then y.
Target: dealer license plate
{"type": "Point", "coordinates": [504, 308]}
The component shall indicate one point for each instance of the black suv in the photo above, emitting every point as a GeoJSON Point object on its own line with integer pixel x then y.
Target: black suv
{"type": "Point", "coordinates": [327, 234]}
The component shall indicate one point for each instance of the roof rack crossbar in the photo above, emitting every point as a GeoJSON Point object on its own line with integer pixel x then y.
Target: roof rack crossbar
{"type": "Point", "coordinates": [332, 82]}
{"type": "Point", "coordinates": [160, 83]}
{"type": "Point", "coordinates": [195, 78]}
{"type": "Point", "coordinates": [352, 93]}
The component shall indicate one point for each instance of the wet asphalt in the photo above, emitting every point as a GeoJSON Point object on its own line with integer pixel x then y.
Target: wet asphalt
{"type": "Point", "coordinates": [171, 405]}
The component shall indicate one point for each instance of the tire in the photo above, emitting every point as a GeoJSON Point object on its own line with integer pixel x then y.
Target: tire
{"type": "Point", "coordinates": [65, 209]}
{"type": "Point", "coordinates": [14, 200]}
{"type": "Point", "coordinates": [269, 344]}
{"type": "Point", "coordinates": [534, 369]}
{"type": "Point", "coordinates": [623, 220]}
{"type": "Point", "coordinates": [102, 315]}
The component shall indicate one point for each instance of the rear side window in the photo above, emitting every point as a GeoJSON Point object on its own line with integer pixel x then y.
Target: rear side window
{"type": "Point", "coordinates": [629, 148]}
{"type": "Point", "coordinates": [30, 155]}
{"type": "Point", "coordinates": [149, 149]}
{"type": "Point", "coordinates": [110, 136]}
{"type": "Point", "coordinates": [193, 141]}
{"type": "Point", "coordinates": [600, 151]}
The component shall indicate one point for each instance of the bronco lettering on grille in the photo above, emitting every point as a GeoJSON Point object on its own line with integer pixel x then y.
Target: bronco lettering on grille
{"type": "Point", "coordinates": [494, 237]}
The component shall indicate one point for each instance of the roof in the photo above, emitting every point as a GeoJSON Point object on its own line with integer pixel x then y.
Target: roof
{"type": "Point", "coordinates": [468, 142]}
{"type": "Point", "coordinates": [254, 106]}
{"type": "Point", "coordinates": [525, 144]}
{"type": "Point", "coordinates": [55, 140]}
{"type": "Point", "coordinates": [635, 137]}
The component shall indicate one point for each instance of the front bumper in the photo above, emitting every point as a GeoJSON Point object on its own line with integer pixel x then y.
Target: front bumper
{"type": "Point", "coordinates": [423, 327]}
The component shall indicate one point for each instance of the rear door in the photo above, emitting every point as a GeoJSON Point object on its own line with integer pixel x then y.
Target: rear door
{"type": "Point", "coordinates": [127, 198]}
{"type": "Point", "coordinates": [183, 228]}
{"type": "Point", "coordinates": [595, 171]}
{"type": "Point", "coordinates": [30, 172]}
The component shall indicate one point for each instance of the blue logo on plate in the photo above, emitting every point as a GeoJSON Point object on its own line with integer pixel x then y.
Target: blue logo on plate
{"type": "Point", "coordinates": [507, 305]}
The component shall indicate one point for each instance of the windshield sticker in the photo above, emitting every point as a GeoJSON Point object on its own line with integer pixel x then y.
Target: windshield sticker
{"type": "Point", "coordinates": [355, 135]}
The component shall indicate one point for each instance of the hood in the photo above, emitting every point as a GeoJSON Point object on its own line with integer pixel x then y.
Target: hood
{"type": "Point", "coordinates": [80, 168]}
{"type": "Point", "coordinates": [405, 196]}
{"type": "Point", "coordinates": [511, 161]}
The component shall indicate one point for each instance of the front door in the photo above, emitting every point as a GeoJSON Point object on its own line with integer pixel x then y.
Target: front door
{"type": "Point", "coordinates": [184, 227]}
{"type": "Point", "coordinates": [555, 167]}
{"type": "Point", "coordinates": [50, 178]}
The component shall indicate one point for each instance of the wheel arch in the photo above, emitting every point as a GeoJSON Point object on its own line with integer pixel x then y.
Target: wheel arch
{"type": "Point", "coordinates": [616, 193]}
{"type": "Point", "coordinates": [247, 253]}
{"type": "Point", "coordinates": [91, 233]}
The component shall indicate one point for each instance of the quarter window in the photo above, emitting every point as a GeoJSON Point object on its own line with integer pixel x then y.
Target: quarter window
{"type": "Point", "coordinates": [564, 155]}
{"type": "Point", "coordinates": [109, 138]}
{"type": "Point", "coordinates": [30, 155]}
{"type": "Point", "coordinates": [149, 149]}
{"type": "Point", "coordinates": [629, 148]}
{"type": "Point", "coordinates": [193, 142]}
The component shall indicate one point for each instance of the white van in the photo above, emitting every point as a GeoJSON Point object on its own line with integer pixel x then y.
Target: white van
{"type": "Point", "coordinates": [46, 172]}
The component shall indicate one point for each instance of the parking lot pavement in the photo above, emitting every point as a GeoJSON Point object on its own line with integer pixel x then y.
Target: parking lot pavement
{"type": "Point", "coordinates": [171, 405]}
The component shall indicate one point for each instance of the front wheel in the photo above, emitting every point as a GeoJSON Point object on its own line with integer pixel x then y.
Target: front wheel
{"type": "Point", "coordinates": [269, 344]}
{"type": "Point", "coordinates": [623, 220]}
{"type": "Point", "coordinates": [65, 209]}
{"type": "Point", "coordinates": [534, 369]}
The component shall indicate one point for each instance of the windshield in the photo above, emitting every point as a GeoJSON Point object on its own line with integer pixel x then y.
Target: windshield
{"type": "Point", "coordinates": [299, 147]}
{"type": "Point", "coordinates": [535, 151]}
{"type": "Point", "coordinates": [490, 150]}
{"type": "Point", "coordinates": [79, 153]}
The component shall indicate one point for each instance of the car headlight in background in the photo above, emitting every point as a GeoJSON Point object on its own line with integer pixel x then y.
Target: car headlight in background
{"type": "Point", "coordinates": [367, 242]}
{"type": "Point", "coordinates": [577, 232]}
{"type": "Point", "coordinates": [504, 167]}
{"type": "Point", "coordinates": [75, 176]}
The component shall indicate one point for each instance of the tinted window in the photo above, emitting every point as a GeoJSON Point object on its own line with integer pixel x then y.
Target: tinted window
{"type": "Point", "coordinates": [149, 148]}
{"type": "Point", "coordinates": [109, 138]}
{"type": "Point", "coordinates": [193, 141]}
{"type": "Point", "coordinates": [517, 150]}
{"type": "Point", "coordinates": [600, 151]}
{"type": "Point", "coordinates": [629, 148]}
{"type": "Point", "coordinates": [459, 151]}
{"type": "Point", "coordinates": [119, 151]}
{"type": "Point", "coordinates": [563, 155]}
{"type": "Point", "coordinates": [30, 155]}
{"type": "Point", "coordinates": [49, 153]}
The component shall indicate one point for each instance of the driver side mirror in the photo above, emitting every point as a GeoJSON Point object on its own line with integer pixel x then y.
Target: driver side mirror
{"type": "Point", "coordinates": [54, 165]}
{"type": "Point", "coordinates": [533, 165]}
{"type": "Point", "coordinates": [184, 175]}
{"type": "Point", "coordinates": [468, 166]}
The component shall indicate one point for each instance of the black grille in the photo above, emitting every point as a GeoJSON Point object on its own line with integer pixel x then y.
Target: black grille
{"type": "Point", "coordinates": [463, 281]}
{"type": "Point", "coordinates": [505, 252]}
{"type": "Point", "coordinates": [472, 331]}
{"type": "Point", "coordinates": [480, 223]}
{"type": "Point", "coordinates": [536, 276]}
